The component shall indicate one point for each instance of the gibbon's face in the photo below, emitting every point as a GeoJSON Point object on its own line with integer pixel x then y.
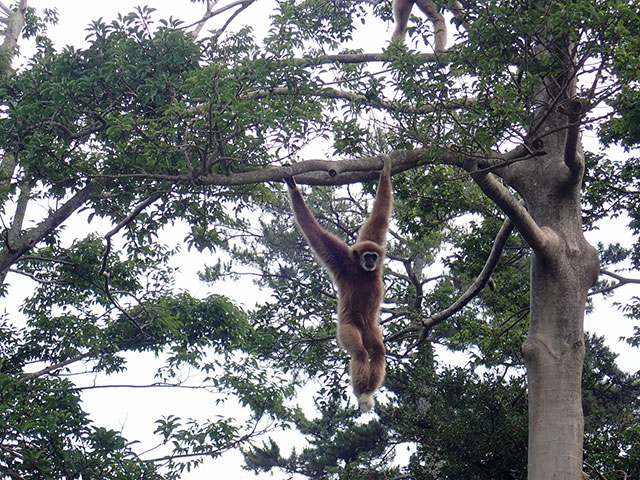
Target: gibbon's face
{"type": "Point", "coordinates": [369, 261]}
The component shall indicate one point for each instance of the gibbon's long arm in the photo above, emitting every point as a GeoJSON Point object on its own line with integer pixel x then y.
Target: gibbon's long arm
{"type": "Point", "coordinates": [375, 228]}
{"type": "Point", "coordinates": [331, 251]}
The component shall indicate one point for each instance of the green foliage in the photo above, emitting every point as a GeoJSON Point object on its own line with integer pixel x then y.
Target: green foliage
{"type": "Point", "coordinates": [160, 124]}
{"type": "Point", "coordinates": [47, 435]}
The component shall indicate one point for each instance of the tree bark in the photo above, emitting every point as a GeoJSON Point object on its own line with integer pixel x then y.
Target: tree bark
{"type": "Point", "coordinates": [563, 268]}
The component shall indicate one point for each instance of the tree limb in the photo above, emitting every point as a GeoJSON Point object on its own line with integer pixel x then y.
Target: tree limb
{"type": "Point", "coordinates": [209, 14]}
{"type": "Point", "coordinates": [18, 218]}
{"type": "Point", "coordinates": [311, 172]}
{"type": "Point", "coordinates": [573, 157]}
{"type": "Point", "coordinates": [55, 366]}
{"type": "Point", "coordinates": [11, 34]}
{"type": "Point", "coordinates": [10, 254]}
{"type": "Point", "coordinates": [496, 191]}
{"type": "Point", "coordinates": [620, 282]}
{"type": "Point", "coordinates": [363, 99]}
{"type": "Point", "coordinates": [474, 289]}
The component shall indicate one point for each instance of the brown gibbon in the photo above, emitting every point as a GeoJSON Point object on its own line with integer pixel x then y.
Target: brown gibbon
{"type": "Point", "coordinates": [357, 272]}
{"type": "Point", "coordinates": [402, 11]}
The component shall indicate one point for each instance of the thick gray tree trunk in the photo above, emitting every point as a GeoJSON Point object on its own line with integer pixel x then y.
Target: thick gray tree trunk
{"type": "Point", "coordinates": [561, 273]}
{"type": "Point", "coordinates": [563, 267]}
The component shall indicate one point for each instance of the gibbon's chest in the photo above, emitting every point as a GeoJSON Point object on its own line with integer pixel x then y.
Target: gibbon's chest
{"type": "Point", "coordinates": [360, 290]}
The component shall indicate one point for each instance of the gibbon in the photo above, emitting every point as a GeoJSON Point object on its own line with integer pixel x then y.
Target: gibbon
{"type": "Point", "coordinates": [357, 272]}
{"type": "Point", "coordinates": [402, 11]}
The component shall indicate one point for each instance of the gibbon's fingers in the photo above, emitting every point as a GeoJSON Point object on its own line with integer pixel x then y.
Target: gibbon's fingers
{"type": "Point", "coordinates": [386, 166]}
{"type": "Point", "coordinates": [291, 183]}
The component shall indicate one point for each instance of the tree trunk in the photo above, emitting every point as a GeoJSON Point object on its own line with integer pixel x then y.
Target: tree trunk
{"type": "Point", "coordinates": [563, 268]}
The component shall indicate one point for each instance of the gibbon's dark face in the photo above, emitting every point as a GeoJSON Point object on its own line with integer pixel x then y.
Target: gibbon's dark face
{"type": "Point", "coordinates": [369, 261]}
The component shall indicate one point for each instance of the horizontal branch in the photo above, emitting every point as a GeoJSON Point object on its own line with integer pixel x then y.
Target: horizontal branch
{"type": "Point", "coordinates": [359, 58]}
{"type": "Point", "coordinates": [373, 102]}
{"type": "Point", "coordinates": [310, 172]}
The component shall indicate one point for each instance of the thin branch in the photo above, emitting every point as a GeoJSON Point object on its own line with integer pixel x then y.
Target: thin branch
{"type": "Point", "coordinates": [621, 281]}
{"type": "Point", "coordinates": [55, 366]}
{"type": "Point", "coordinates": [363, 99]}
{"type": "Point", "coordinates": [103, 268]}
{"type": "Point", "coordinates": [210, 14]}
{"type": "Point", "coordinates": [474, 289]}
{"type": "Point", "coordinates": [213, 452]}
{"type": "Point", "coordinates": [36, 278]}
{"type": "Point", "coordinates": [232, 17]}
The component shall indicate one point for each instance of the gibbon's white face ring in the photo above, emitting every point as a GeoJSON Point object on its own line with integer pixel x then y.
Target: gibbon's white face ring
{"type": "Point", "coordinates": [369, 261]}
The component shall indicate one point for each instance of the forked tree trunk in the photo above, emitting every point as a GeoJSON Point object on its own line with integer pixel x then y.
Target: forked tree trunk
{"type": "Point", "coordinates": [562, 271]}
{"type": "Point", "coordinates": [563, 267]}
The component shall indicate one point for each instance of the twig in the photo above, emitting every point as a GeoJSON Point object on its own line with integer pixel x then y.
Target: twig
{"type": "Point", "coordinates": [103, 268]}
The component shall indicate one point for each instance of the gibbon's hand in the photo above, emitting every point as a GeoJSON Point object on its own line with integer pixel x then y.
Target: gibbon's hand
{"type": "Point", "coordinates": [386, 167]}
{"type": "Point", "coordinates": [291, 183]}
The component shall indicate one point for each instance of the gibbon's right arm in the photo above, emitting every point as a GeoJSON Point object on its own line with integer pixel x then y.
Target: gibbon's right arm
{"type": "Point", "coordinates": [376, 226]}
{"type": "Point", "coordinates": [332, 252]}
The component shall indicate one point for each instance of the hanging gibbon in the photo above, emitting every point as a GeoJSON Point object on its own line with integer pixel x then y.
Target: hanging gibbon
{"type": "Point", "coordinates": [357, 272]}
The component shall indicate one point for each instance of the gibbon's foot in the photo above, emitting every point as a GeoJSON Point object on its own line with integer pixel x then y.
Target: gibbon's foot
{"type": "Point", "coordinates": [366, 402]}
{"type": "Point", "coordinates": [291, 183]}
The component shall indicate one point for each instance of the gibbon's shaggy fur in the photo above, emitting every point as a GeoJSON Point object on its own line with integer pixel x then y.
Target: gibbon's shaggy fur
{"type": "Point", "coordinates": [357, 271]}
{"type": "Point", "coordinates": [402, 11]}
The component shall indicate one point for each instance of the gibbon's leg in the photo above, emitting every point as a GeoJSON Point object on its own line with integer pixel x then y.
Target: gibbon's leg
{"type": "Point", "coordinates": [401, 13]}
{"type": "Point", "coordinates": [372, 339]}
{"type": "Point", "coordinates": [439, 24]}
{"type": "Point", "coordinates": [350, 337]}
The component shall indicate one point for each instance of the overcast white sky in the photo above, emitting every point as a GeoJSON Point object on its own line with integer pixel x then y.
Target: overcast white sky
{"type": "Point", "coordinates": [133, 411]}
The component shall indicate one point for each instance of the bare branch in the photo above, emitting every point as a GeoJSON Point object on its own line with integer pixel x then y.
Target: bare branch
{"type": "Point", "coordinates": [103, 268]}
{"type": "Point", "coordinates": [210, 14]}
{"type": "Point", "coordinates": [55, 366]}
{"type": "Point", "coordinates": [621, 281]}
{"type": "Point", "coordinates": [9, 255]}
{"type": "Point", "coordinates": [358, 58]}
{"type": "Point", "coordinates": [474, 289]}
{"type": "Point", "coordinates": [363, 99]}
{"type": "Point", "coordinates": [312, 172]}
{"type": "Point", "coordinates": [6, 9]}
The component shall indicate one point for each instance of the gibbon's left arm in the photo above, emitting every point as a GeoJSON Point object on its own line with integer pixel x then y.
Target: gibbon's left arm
{"type": "Point", "coordinates": [375, 228]}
